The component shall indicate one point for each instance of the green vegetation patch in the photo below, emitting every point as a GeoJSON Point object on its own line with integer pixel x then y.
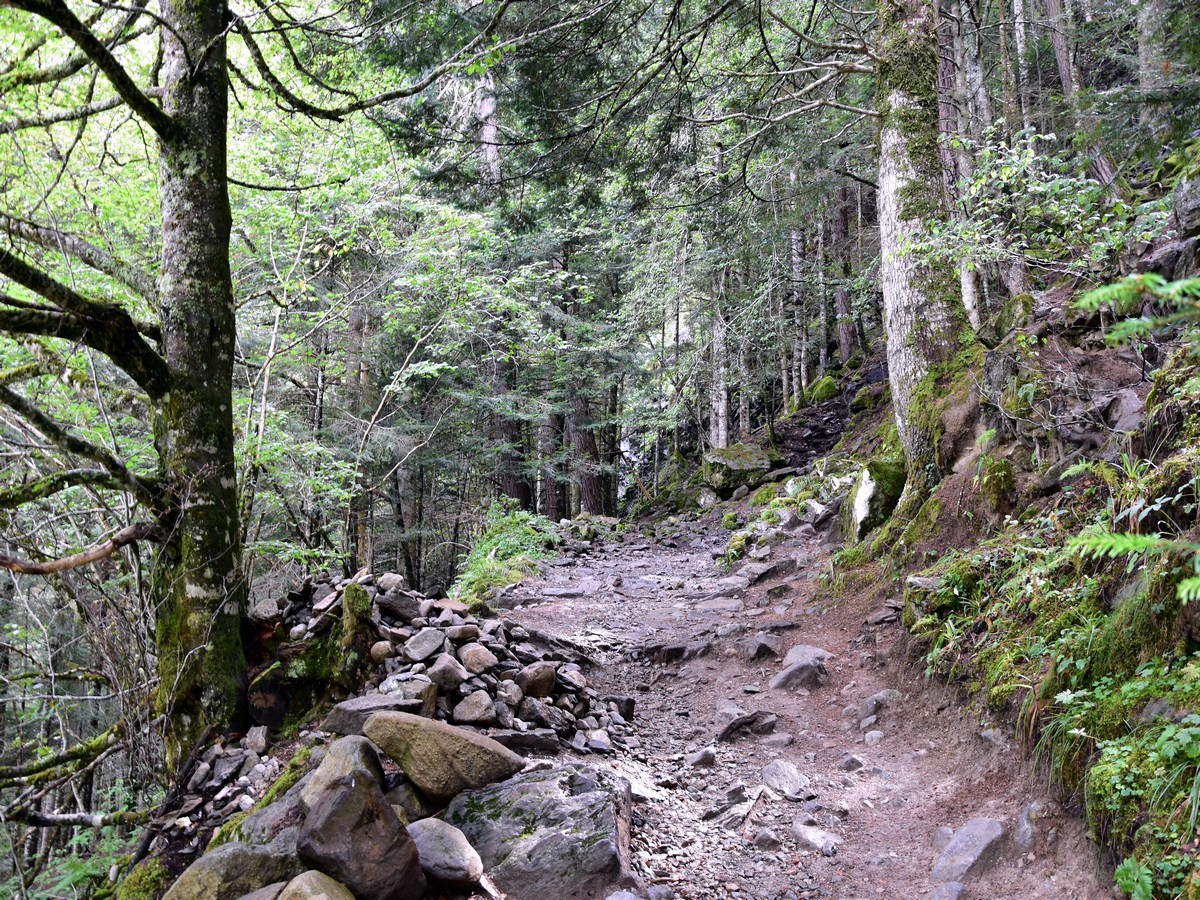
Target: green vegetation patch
{"type": "Point", "coordinates": [506, 552]}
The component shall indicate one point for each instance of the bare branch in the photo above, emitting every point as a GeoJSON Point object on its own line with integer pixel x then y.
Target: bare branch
{"type": "Point", "coordinates": [89, 254]}
{"type": "Point", "coordinates": [64, 440]}
{"type": "Point", "coordinates": [129, 535]}
{"type": "Point", "coordinates": [57, 13]}
{"type": "Point", "coordinates": [63, 115]}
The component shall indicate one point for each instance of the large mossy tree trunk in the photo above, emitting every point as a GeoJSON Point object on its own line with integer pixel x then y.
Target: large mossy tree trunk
{"type": "Point", "coordinates": [201, 664]}
{"type": "Point", "coordinates": [919, 300]}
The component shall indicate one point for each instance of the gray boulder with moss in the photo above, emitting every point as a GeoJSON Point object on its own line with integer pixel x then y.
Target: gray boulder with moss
{"type": "Point", "coordinates": [743, 465]}
{"type": "Point", "coordinates": [874, 496]}
{"type": "Point", "coordinates": [439, 759]}
{"type": "Point", "coordinates": [561, 833]}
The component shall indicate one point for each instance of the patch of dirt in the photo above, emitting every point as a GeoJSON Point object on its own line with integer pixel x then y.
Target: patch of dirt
{"type": "Point", "coordinates": [935, 765]}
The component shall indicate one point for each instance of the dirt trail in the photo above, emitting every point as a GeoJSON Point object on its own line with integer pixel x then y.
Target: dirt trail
{"type": "Point", "coordinates": [639, 604]}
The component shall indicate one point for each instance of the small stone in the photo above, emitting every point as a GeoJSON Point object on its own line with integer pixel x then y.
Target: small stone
{"type": "Point", "coordinates": [537, 679]}
{"type": "Point", "coordinates": [784, 777]}
{"type": "Point", "coordinates": [941, 837]}
{"type": "Point", "coordinates": [381, 651]}
{"type": "Point", "coordinates": [447, 672]}
{"type": "Point", "coordinates": [974, 847]}
{"type": "Point", "coordinates": [809, 837]}
{"type": "Point", "coordinates": [766, 839]}
{"type": "Point", "coordinates": [509, 692]}
{"type": "Point", "coordinates": [850, 763]}
{"type": "Point", "coordinates": [461, 634]}
{"type": "Point", "coordinates": [705, 756]}
{"type": "Point", "coordinates": [256, 739]}
{"type": "Point", "coordinates": [424, 644]}
{"type": "Point", "coordinates": [871, 738]}
{"type": "Point", "coordinates": [476, 709]}
{"type": "Point", "coordinates": [445, 854]}
{"type": "Point", "coordinates": [477, 658]}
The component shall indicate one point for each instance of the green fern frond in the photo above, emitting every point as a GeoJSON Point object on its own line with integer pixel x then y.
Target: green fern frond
{"type": "Point", "coordinates": [1083, 467]}
{"type": "Point", "coordinates": [1112, 544]}
{"type": "Point", "coordinates": [1189, 590]}
{"type": "Point", "coordinates": [1121, 294]}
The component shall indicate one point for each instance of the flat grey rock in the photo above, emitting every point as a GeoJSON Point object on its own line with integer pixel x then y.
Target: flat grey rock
{"type": "Point", "coordinates": [973, 848]}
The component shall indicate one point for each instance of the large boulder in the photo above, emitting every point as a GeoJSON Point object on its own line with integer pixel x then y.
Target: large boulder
{"type": "Point", "coordinates": [353, 835]}
{"type": "Point", "coordinates": [729, 468]}
{"type": "Point", "coordinates": [236, 869]}
{"type": "Point", "coordinates": [447, 857]}
{"type": "Point", "coordinates": [353, 756]}
{"type": "Point", "coordinates": [561, 833]}
{"type": "Point", "coordinates": [440, 759]}
{"type": "Point", "coordinates": [1186, 201]}
{"type": "Point", "coordinates": [349, 716]}
{"type": "Point", "coordinates": [875, 495]}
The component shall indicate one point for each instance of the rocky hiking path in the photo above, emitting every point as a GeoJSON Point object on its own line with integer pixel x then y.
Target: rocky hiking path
{"type": "Point", "coordinates": [787, 749]}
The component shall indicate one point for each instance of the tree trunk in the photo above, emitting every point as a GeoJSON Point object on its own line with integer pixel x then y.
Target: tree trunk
{"type": "Point", "coordinates": [1019, 36]}
{"type": "Point", "coordinates": [1062, 39]}
{"type": "Point", "coordinates": [1153, 64]}
{"type": "Point", "coordinates": [841, 294]}
{"type": "Point", "coordinates": [201, 664]}
{"type": "Point", "coordinates": [918, 302]}
{"type": "Point", "coordinates": [587, 457]}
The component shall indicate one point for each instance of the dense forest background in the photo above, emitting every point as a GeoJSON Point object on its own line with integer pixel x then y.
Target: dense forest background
{"type": "Point", "coordinates": [302, 287]}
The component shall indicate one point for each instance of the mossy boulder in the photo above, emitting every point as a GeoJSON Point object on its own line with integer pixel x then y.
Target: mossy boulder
{"type": "Point", "coordinates": [743, 465]}
{"type": "Point", "coordinates": [145, 882]}
{"type": "Point", "coordinates": [822, 389]}
{"type": "Point", "coordinates": [996, 481]}
{"type": "Point", "coordinates": [874, 496]}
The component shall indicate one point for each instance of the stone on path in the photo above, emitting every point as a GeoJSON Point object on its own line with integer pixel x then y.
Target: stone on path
{"type": "Point", "coordinates": [352, 834]}
{"type": "Point", "coordinates": [353, 756]}
{"type": "Point", "coordinates": [447, 672]}
{"type": "Point", "coordinates": [446, 855]}
{"type": "Point", "coordinates": [476, 709]}
{"type": "Point", "coordinates": [973, 848]}
{"type": "Point", "coordinates": [561, 833]}
{"type": "Point", "coordinates": [757, 722]}
{"type": "Point", "coordinates": [809, 837]}
{"type": "Point", "coordinates": [348, 716]}
{"type": "Point", "coordinates": [424, 644]}
{"type": "Point", "coordinates": [537, 679]}
{"type": "Point", "coordinates": [440, 759]}
{"type": "Point", "coordinates": [784, 777]}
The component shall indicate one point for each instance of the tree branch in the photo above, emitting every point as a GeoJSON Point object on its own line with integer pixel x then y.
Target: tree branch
{"type": "Point", "coordinates": [57, 13]}
{"type": "Point", "coordinates": [89, 254]}
{"type": "Point", "coordinates": [472, 50]}
{"type": "Point", "coordinates": [68, 442]}
{"type": "Point", "coordinates": [62, 115]}
{"type": "Point", "coordinates": [123, 538]}
{"type": "Point", "coordinates": [105, 327]}
{"type": "Point", "coordinates": [88, 750]}
{"type": "Point", "coordinates": [48, 486]}
{"type": "Point", "coordinates": [87, 820]}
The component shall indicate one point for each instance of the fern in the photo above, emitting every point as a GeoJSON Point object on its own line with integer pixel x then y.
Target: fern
{"type": "Point", "coordinates": [1189, 589]}
{"type": "Point", "coordinates": [1083, 467]}
{"type": "Point", "coordinates": [1113, 544]}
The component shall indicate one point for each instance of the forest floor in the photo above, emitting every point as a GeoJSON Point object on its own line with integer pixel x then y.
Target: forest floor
{"type": "Point", "coordinates": [703, 826]}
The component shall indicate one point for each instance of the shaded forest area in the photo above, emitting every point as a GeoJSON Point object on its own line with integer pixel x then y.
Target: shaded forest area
{"type": "Point", "coordinates": [303, 287]}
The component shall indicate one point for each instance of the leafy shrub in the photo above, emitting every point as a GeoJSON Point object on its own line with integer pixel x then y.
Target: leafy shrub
{"type": "Point", "coordinates": [505, 552]}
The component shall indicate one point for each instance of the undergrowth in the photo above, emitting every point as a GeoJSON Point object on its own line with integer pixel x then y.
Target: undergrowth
{"type": "Point", "coordinates": [506, 551]}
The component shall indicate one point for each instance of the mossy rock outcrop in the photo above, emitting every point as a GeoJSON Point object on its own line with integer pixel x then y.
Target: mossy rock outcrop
{"type": "Point", "coordinates": [822, 389]}
{"type": "Point", "coordinates": [874, 496]}
{"type": "Point", "coordinates": [743, 465]}
{"type": "Point", "coordinates": [311, 671]}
